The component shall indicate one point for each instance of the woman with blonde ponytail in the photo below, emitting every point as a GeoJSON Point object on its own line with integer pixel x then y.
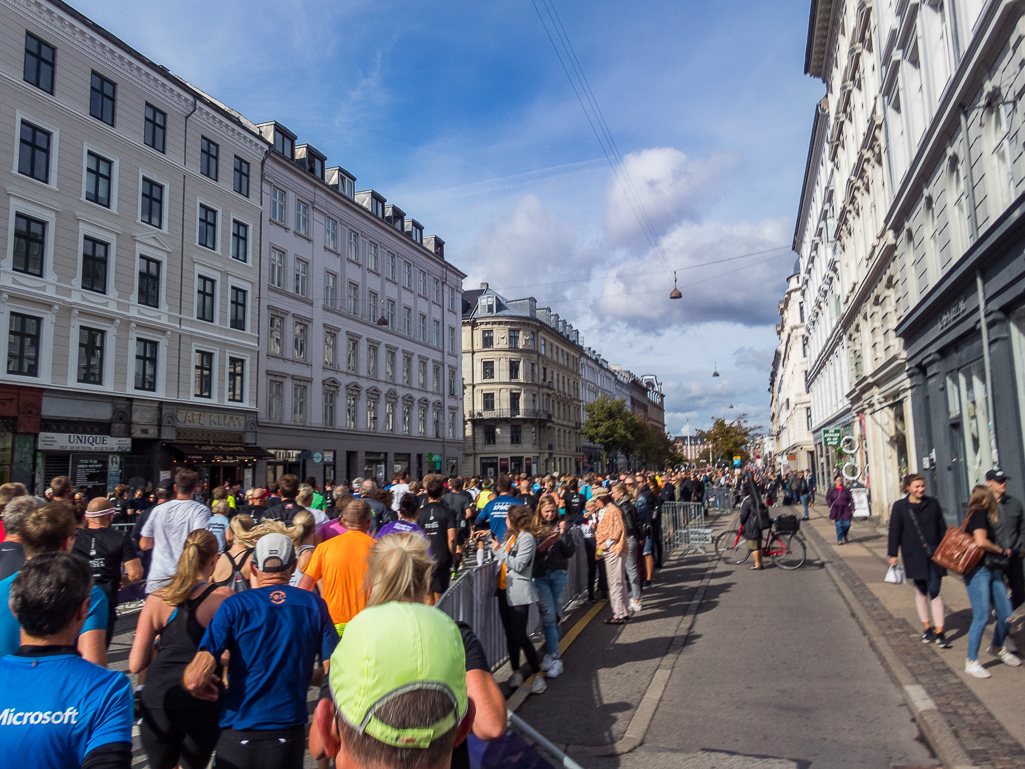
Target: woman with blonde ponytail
{"type": "Point", "coordinates": [233, 568]}
{"type": "Point", "coordinates": [303, 533]}
{"type": "Point", "coordinates": [177, 729]}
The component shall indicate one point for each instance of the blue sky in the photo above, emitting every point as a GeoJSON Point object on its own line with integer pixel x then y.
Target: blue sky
{"type": "Point", "coordinates": [460, 113]}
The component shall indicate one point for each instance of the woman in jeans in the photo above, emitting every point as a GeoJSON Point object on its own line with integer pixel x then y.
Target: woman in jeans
{"type": "Point", "coordinates": [551, 576]}
{"type": "Point", "coordinates": [985, 583]}
{"type": "Point", "coordinates": [841, 509]}
{"type": "Point", "coordinates": [611, 546]}
{"type": "Point", "coordinates": [916, 529]}
{"type": "Point", "coordinates": [516, 592]}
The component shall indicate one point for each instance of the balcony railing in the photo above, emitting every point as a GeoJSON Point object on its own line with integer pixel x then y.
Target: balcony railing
{"type": "Point", "coordinates": [538, 414]}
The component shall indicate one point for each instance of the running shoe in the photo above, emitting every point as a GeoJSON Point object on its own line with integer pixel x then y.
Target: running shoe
{"type": "Point", "coordinates": [538, 686]}
{"type": "Point", "coordinates": [546, 664]}
{"type": "Point", "coordinates": [975, 668]}
{"type": "Point", "coordinates": [941, 640]}
{"type": "Point", "coordinates": [1005, 656]}
{"type": "Point", "coordinates": [929, 636]}
{"type": "Point", "coordinates": [556, 670]}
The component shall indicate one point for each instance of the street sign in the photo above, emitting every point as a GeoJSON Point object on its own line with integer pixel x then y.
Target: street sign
{"type": "Point", "coordinates": [318, 457]}
{"type": "Point", "coordinates": [831, 436]}
{"type": "Point", "coordinates": [736, 461]}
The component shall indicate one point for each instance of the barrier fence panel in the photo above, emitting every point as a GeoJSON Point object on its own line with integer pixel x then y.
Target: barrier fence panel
{"type": "Point", "coordinates": [683, 526]}
{"type": "Point", "coordinates": [720, 499]}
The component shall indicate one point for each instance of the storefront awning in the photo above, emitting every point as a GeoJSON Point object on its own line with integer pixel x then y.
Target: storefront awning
{"type": "Point", "coordinates": [196, 452]}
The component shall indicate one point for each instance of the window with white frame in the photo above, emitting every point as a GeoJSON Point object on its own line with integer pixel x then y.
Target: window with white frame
{"type": "Point", "coordinates": [239, 241]}
{"type": "Point", "coordinates": [353, 247]}
{"type": "Point", "coordinates": [436, 379]}
{"type": "Point", "coordinates": [274, 337]}
{"type": "Point", "coordinates": [406, 409]}
{"type": "Point", "coordinates": [423, 283]}
{"type": "Point", "coordinates": [274, 400]}
{"type": "Point", "coordinates": [421, 421]}
{"type": "Point", "coordinates": [302, 277]}
{"type": "Point", "coordinates": [330, 340]}
{"type": "Point", "coordinates": [389, 365]}
{"type": "Point", "coordinates": [437, 290]}
{"type": "Point", "coordinates": [373, 306]}
{"type": "Point", "coordinates": [392, 275]}
{"type": "Point", "coordinates": [407, 275]}
{"type": "Point", "coordinates": [298, 404]}
{"type": "Point", "coordinates": [421, 374]}
{"type": "Point", "coordinates": [452, 382]}
{"type": "Point", "coordinates": [451, 425]}
{"type": "Point", "coordinates": [436, 423]}
{"type": "Point", "coordinates": [436, 334]}
{"type": "Point", "coordinates": [407, 321]}
{"type": "Point", "coordinates": [390, 313]}
{"type": "Point", "coordinates": [389, 417]}
{"type": "Point", "coordinates": [302, 218]}
{"type": "Point", "coordinates": [422, 328]}
{"type": "Point", "coordinates": [353, 299]}
{"type": "Point", "coordinates": [330, 396]}
{"type": "Point", "coordinates": [331, 234]}
{"type": "Point", "coordinates": [98, 174]}
{"type": "Point", "coordinates": [351, 402]}
{"type": "Point", "coordinates": [277, 268]}
{"type": "Point", "coordinates": [452, 298]}
{"type": "Point", "coordinates": [352, 356]}
{"type": "Point", "coordinates": [372, 414]}
{"type": "Point", "coordinates": [236, 380]}
{"type": "Point", "coordinates": [372, 361]}
{"type": "Point", "coordinates": [204, 374]}
{"type": "Point", "coordinates": [373, 262]}
{"type": "Point", "coordinates": [451, 339]}
{"type": "Point", "coordinates": [407, 367]}
{"type": "Point", "coordinates": [277, 205]}
{"type": "Point", "coordinates": [301, 334]}
{"type": "Point", "coordinates": [330, 289]}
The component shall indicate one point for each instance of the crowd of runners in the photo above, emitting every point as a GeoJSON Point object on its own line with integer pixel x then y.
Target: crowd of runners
{"type": "Point", "coordinates": [253, 596]}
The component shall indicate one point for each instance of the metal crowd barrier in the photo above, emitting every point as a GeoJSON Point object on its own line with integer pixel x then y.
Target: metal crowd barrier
{"type": "Point", "coordinates": [719, 499]}
{"type": "Point", "coordinates": [471, 599]}
{"type": "Point", "coordinates": [683, 526]}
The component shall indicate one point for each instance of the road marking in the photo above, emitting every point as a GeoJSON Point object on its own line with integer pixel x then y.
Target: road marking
{"type": "Point", "coordinates": [919, 698]}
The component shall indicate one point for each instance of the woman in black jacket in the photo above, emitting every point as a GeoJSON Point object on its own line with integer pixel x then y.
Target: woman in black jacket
{"type": "Point", "coordinates": [916, 529]}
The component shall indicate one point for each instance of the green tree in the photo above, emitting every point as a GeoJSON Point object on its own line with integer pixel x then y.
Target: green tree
{"type": "Point", "coordinates": [652, 446]}
{"type": "Point", "coordinates": [610, 425]}
{"type": "Point", "coordinates": [729, 439]}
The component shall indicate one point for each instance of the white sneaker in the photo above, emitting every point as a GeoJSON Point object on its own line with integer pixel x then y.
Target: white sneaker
{"type": "Point", "coordinates": [634, 605]}
{"type": "Point", "coordinates": [1007, 658]}
{"type": "Point", "coordinates": [556, 669]}
{"type": "Point", "coordinates": [546, 664]}
{"type": "Point", "coordinates": [539, 685]}
{"type": "Point", "coordinates": [1010, 645]}
{"type": "Point", "coordinates": [516, 680]}
{"type": "Point", "coordinates": [975, 668]}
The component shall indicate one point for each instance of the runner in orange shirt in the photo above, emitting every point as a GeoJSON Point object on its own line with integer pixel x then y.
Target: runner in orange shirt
{"type": "Point", "coordinates": [339, 566]}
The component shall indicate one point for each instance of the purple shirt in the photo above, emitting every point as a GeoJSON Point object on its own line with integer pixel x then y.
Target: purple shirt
{"type": "Point", "coordinates": [331, 529]}
{"type": "Point", "coordinates": [403, 527]}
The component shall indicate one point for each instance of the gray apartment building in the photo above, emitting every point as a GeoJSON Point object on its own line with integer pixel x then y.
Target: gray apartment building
{"type": "Point", "coordinates": [129, 270]}
{"type": "Point", "coordinates": [360, 348]}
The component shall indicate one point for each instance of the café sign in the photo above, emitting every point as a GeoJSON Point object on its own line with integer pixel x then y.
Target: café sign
{"type": "Point", "coordinates": [77, 442]}
{"type": "Point", "coordinates": [219, 420]}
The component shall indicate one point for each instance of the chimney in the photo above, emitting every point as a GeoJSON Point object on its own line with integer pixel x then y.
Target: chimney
{"type": "Point", "coordinates": [483, 286]}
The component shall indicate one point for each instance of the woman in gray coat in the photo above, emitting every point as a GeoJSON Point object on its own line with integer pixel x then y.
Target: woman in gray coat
{"type": "Point", "coordinates": [516, 592]}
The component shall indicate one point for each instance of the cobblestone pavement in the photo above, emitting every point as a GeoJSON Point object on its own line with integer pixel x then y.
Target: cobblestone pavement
{"type": "Point", "coordinates": [984, 739]}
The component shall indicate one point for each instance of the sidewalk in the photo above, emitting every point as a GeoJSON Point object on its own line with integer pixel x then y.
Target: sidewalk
{"type": "Point", "coordinates": [984, 716]}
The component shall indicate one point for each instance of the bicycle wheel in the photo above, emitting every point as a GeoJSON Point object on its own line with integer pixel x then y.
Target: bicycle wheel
{"type": "Point", "coordinates": [731, 547]}
{"type": "Point", "coordinates": [787, 551]}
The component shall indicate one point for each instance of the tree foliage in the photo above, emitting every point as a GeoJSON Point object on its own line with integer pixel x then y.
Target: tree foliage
{"type": "Point", "coordinates": [729, 439]}
{"type": "Point", "coordinates": [612, 426]}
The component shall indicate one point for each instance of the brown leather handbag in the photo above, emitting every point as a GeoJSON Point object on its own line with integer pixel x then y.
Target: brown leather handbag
{"type": "Point", "coordinates": [957, 550]}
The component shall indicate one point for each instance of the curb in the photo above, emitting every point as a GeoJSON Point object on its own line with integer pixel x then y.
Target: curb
{"type": "Point", "coordinates": [645, 712]}
{"type": "Point", "coordinates": [937, 731]}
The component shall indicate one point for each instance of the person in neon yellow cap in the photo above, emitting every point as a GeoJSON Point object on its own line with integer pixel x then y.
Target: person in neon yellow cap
{"type": "Point", "coordinates": [398, 685]}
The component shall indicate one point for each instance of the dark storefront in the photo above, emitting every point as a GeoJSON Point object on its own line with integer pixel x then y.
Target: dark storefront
{"type": "Point", "coordinates": [955, 429]}
{"type": "Point", "coordinates": [219, 445]}
{"type": "Point", "coordinates": [20, 408]}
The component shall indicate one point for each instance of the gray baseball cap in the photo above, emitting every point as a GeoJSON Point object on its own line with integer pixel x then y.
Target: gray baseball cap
{"type": "Point", "coordinates": [274, 552]}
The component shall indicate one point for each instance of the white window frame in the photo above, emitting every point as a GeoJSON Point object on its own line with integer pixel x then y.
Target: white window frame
{"type": "Point", "coordinates": [330, 289]}
{"type": "Point", "coordinates": [270, 262]}
{"type": "Point", "coordinates": [393, 272]}
{"type": "Point", "coordinates": [296, 323]}
{"type": "Point", "coordinates": [330, 234]}
{"type": "Point", "coordinates": [97, 232]}
{"type": "Point", "coordinates": [301, 276]}
{"type": "Point", "coordinates": [246, 389]}
{"type": "Point", "coordinates": [47, 324]}
{"type": "Point", "coordinates": [51, 181]}
{"type": "Point", "coordinates": [249, 240]}
{"type": "Point", "coordinates": [283, 221]}
{"type": "Point", "coordinates": [115, 164]}
{"type": "Point", "coordinates": [48, 281]}
{"type": "Point", "coordinates": [143, 173]}
{"type": "Point", "coordinates": [373, 257]}
{"type": "Point", "coordinates": [234, 282]}
{"type": "Point", "coordinates": [214, 371]}
{"type": "Point", "coordinates": [302, 218]}
{"type": "Point", "coordinates": [152, 335]}
{"type": "Point", "coordinates": [219, 235]}
{"type": "Point", "coordinates": [352, 247]}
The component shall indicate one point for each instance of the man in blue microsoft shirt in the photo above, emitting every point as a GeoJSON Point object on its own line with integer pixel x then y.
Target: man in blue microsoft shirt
{"type": "Point", "coordinates": [273, 633]}
{"type": "Point", "coordinates": [496, 511]}
{"type": "Point", "coordinates": [50, 529]}
{"type": "Point", "coordinates": [57, 709]}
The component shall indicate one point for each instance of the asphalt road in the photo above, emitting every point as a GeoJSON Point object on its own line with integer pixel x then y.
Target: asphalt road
{"type": "Point", "coordinates": [775, 674]}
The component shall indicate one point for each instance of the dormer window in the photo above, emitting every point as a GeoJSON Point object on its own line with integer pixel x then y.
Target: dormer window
{"type": "Point", "coordinates": [284, 144]}
{"type": "Point", "coordinates": [377, 207]}
{"type": "Point", "coordinates": [415, 231]}
{"type": "Point", "coordinates": [317, 167]}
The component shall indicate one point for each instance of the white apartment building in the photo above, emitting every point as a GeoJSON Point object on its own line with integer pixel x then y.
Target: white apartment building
{"type": "Point", "coordinates": [129, 264]}
{"type": "Point", "coordinates": [791, 406]}
{"type": "Point", "coordinates": [361, 350]}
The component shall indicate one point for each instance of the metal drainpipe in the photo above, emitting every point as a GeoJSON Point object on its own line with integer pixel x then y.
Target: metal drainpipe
{"type": "Point", "coordinates": [973, 224]}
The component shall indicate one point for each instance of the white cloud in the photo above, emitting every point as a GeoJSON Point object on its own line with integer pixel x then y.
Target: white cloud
{"type": "Point", "coordinates": [662, 184]}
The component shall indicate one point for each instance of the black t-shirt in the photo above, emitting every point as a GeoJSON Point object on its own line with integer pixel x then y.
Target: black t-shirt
{"type": "Point", "coordinates": [574, 502]}
{"type": "Point", "coordinates": [457, 502]}
{"type": "Point", "coordinates": [529, 500]}
{"type": "Point", "coordinates": [253, 511]}
{"type": "Point", "coordinates": [284, 512]}
{"type": "Point", "coordinates": [12, 558]}
{"type": "Point", "coordinates": [437, 520]}
{"type": "Point", "coordinates": [106, 550]}
{"type": "Point", "coordinates": [475, 660]}
{"type": "Point", "coordinates": [977, 519]}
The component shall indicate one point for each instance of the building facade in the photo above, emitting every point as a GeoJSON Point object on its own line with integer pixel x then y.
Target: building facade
{"type": "Point", "coordinates": [791, 405]}
{"type": "Point", "coordinates": [522, 387]}
{"type": "Point", "coordinates": [129, 270]}
{"type": "Point", "coordinates": [360, 356]}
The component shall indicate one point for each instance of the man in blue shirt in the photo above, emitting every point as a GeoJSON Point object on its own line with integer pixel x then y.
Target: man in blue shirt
{"type": "Point", "coordinates": [57, 709]}
{"type": "Point", "coordinates": [50, 529]}
{"type": "Point", "coordinates": [496, 511]}
{"type": "Point", "coordinates": [273, 633]}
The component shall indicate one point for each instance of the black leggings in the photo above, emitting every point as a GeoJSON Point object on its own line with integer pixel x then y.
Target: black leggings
{"type": "Point", "coordinates": [931, 586]}
{"type": "Point", "coordinates": [186, 736]}
{"type": "Point", "coordinates": [514, 620]}
{"type": "Point", "coordinates": [271, 749]}
{"type": "Point", "coordinates": [592, 565]}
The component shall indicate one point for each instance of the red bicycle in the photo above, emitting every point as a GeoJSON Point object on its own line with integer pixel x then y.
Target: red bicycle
{"type": "Point", "coordinates": [786, 549]}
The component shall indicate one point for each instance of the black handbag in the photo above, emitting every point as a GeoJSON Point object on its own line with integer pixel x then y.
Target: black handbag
{"type": "Point", "coordinates": [995, 561]}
